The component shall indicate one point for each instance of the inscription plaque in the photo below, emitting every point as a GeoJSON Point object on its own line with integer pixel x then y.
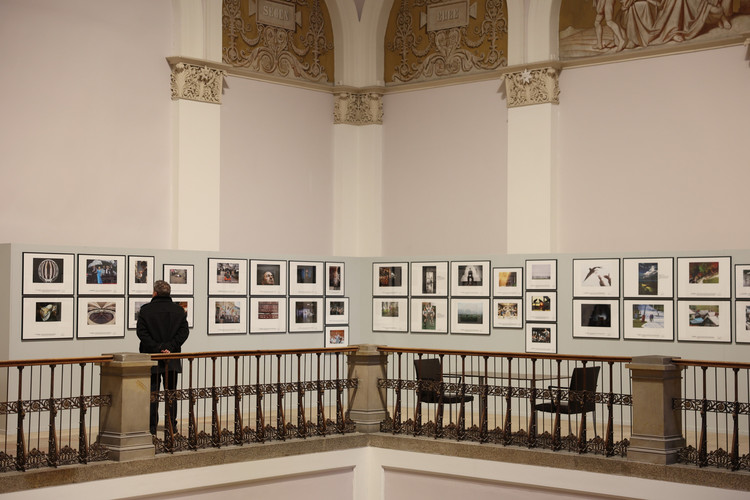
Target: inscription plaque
{"type": "Point", "coordinates": [447, 15]}
{"type": "Point", "coordinates": [276, 14]}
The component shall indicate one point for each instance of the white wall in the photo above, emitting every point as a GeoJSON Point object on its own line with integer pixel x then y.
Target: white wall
{"type": "Point", "coordinates": [444, 171]}
{"type": "Point", "coordinates": [85, 129]}
{"type": "Point", "coordinates": [653, 154]}
{"type": "Point", "coordinates": [276, 169]}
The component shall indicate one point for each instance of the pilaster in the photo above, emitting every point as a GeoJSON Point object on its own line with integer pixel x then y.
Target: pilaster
{"type": "Point", "coordinates": [656, 434]}
{"type": "Point", "coordinates": [124, 425]}
{"type": "Point", "coordinates": [367, 403]}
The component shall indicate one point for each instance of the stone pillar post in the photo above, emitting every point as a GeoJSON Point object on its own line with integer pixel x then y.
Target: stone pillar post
{"type": "Point", "coordinates": [656, 427]}
{"type": "Point", "coordinates": [367, 403]}
{"type": "Point", "coordinates": [124, 424]}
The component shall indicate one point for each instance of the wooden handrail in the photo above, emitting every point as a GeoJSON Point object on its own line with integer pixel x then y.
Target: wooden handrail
{"type": "Point", "coordinates": [54, 361]}
{"type": "Point", "coordinates": [264, 352]}
{"type": "Point", "coordinates": [711, 364]}
{"type": "Point", "coordinates": [514, 355]}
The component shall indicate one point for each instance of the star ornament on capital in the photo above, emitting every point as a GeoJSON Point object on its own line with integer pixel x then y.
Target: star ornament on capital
{"type": "Point", "coordinates": [526, 76]}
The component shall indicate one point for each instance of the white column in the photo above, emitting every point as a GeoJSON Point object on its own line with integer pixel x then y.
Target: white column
{"type": "Point", "coordinates": [197, 130]}
{"type": "Point", "coordinates": [532, 126]}
{"type": "Point", "coordinates": [358, 134]}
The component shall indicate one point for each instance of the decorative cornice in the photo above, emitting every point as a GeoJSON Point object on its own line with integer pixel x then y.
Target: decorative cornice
{"type": "Point", "coordinates": [532, 86]}
{"type": "Point", "coordinates": [197, 83]}
{"type": "Point", "coordinates": [352, 108]}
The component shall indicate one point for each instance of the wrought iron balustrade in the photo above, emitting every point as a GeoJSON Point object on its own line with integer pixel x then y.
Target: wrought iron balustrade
{"type": "Point", "coordinates": [715, 408]}
{"type": "Point", "coordinates": [49, 412]}
{"type": "Point", "coordinates": [238, 397]}
{"type": "Point", "coordinates": [508, 392]}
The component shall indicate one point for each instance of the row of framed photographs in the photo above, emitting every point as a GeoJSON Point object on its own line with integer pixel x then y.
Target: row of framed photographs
{"type": "Point", "coordinates": [697, 320]}
{"type": "Point", "coordinates": [54, 274]}
{"type": "Point", "coordinates": [467, 279]}
{"type": "Point", "coordinates": [45, 318]}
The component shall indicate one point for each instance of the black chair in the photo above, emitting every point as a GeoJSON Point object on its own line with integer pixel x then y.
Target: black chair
{"type": "Point", "coordinates": [430, 388]}
{"type": "Point", "coordinates": [582, 379]}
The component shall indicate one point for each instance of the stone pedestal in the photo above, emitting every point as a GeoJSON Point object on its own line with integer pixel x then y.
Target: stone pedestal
{"type": "Point", "coordinates": [657, 428]}
{"type": "Point", "coordinates": [367, 403]}
{"type": "Point", "coordinates": [124, 425]}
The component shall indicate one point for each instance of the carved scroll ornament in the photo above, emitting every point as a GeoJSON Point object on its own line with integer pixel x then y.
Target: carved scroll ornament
{"type": "Point", "coordinates": [535, 86]}
{"type": "Point", "coordinates": [358, 109]}
{"type": "Point", "coordinates": [197, 83]}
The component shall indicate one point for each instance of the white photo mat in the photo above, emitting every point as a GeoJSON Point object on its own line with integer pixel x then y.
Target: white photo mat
{"type": "Point", "coordinates": [596, 277]}
{"type": "Point", "coordinates": [700, 320]}
{"type": "Point", "coordinates": [48, 317]}
{"type": "Point", "coordinates": [140, 275]}
{"type": "Point", "coordinates": [742, 281]}
{"type": "Point", "coordinates": [48, 273]}
{"type": "Point", "coordinates": [226, 315]}
{"type": "Point", "coordinates": [429, 315]}
{"type": "Point", "coordinates": [179, 277]}
{"type": "Point", "coordinates": [390, 314]}
{"type": "Point", "coordinates": [648, 277]}
{"type": "Point", "coordinates": [306, 314]}
{"type": "Point", "coordinates": [507, 312]}
{"type": "Point", "coordinates": [337, 336]}
{"type": "Point", "coordinates": [470, 316]}
{"type": "Point", "coordinates": [507, 281]}
{"type": "Point", "coordinates": [742, 326]}
{"type": "Point", "coordinates": [227, 276]}
{"type": "Point", "coordinates": [704, 277]}
{"type": "Point", "coordinates": [268, 277]}
{"type": "Point", "coordinates": [541, 338]}
{"type": "Point", "coordinates": [390, 279]}
{"type": "Point", "coordinates": [101, 274]}
{"type": "Point", "coordinates": [541, 274]}
{"type": "Point", "coordinates": [648, 319]}
{"type": "Point", "coordinates": [471, 278]}
{"type": "Point", "coordinates": [306, 278]}
{"type": "Point", "coordinates": [596, 318]}
{"type": "Point", "coordinates": [541, 306]}
{"type": "Point", "coordinates": [100, 317]}
{"type": "Point", "coordinates": [337, 310]}
{"type": "Point", "coordinates": [429, 279]}
{"type": "Point", "coordinates": [268, 314]}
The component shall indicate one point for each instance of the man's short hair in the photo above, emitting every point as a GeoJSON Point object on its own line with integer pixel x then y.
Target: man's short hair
{"type": "Point", "coordinates": [162, 288]}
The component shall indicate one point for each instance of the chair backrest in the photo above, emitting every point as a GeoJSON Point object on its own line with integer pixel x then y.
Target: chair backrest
{"type": "Point", "coordinates": [583, 379]}
{"type": "Point", "coordinates": [431, 370]}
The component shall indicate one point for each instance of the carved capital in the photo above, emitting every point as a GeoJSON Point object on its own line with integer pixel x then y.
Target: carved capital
{"type": "Point", "coordinates": [358, 109]}
{"type": "Point", "coordinates": [535, 86]}
{"type": "Point", "coordinates": [197, 83]}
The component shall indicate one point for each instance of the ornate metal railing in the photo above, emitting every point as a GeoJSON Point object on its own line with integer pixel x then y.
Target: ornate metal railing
{"type": "Point", "coordinates": [516, 399]}
{"type": "Point", "coordinates": [715, 413]}
{"type": "Point", "coordinates": [237, 397]}
{"type": "Point", "coordinates": [45, 410]}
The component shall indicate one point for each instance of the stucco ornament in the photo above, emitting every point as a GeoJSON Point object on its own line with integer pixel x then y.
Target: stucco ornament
{"type": "Point", "coordinates": [358, 108]}
{"type": "Point", "coordinates": [532, 86]}
{"type": "Point", "coordinates": [197, 83]}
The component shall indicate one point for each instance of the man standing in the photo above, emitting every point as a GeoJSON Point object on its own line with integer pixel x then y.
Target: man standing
{"type": "Point", "coordinates": [163, 328]}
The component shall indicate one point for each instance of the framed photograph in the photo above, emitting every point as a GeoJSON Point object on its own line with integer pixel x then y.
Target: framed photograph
{"type": "Point", "coordinates": [507, 313]}
{"type": "Point", "coordinates": [227, 277]}
{"type": "Point", "coordinates": [429, 315]}
{"type": "Point", "coordinates": [180, 278]}
{"type": "Point", "coordinates": [227, 315]}
{"type": "Point", "coordinates": [48, 273]}
{"type": "Point", "coordinates": [742, 328]}
{"type": "Point", "coordinates": [337, 336]}
{"type": "Point", "coordinates": [704, 320]}
{"type": "Point", "coordinates": [268, 277]}
{"type": "Point", "coordinates": [306, 315]}
{"type": "Point", "coordinates": [541, 306]}
{"type": "Point", "coordinates": [541, 337]}
{"type": "Point", "coordinates": [541, 274]}
{"type": "Point", "coordinates": [140, 275]}
{"type": "Point", "coordinates": [429, 279]}
{"type": "Point", "coordinates": [598, 319]}
{"type": "Point", "coordinates": [337, 311]}
{"type": "Point", "coordinates": [390, 314]}
{"type": "Point", "coordinates": [704, 277]}
{"type": "Point", "coordinates": [390, 278]}
{"type": "Point", "coordinates": [135, 304]}
{"type": "Point", "coordinates": [596, 277]}
{"type": "Point", "coordinates": [470, 279]}
{"type": "Point", "coordinates": [648, 277]}
{"type": "Point", "coordinates": [306, 278]}
{"type": "Point", "coordinates": [742, 281]}
{"type": "Point", "coordinates": [646, 319]}
{"type": "Point", "coordinates": [507, 281]}
{"type": "Point", "coordinates": [101, 275]}
{"type": "Point", "coordinates": [45, 318]}
{"type": "Point", "coordinates": [470, 316]}
{"type": "Point", "coordinates": [268, 315]}
{"type": "Point", "coordinates": [100, 317]}
{"type": "Point", "coordinates": [335, 279]}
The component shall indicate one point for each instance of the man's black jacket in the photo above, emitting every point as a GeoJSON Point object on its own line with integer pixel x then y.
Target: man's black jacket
{"type": "Point", "coordinates": [162, 324]}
